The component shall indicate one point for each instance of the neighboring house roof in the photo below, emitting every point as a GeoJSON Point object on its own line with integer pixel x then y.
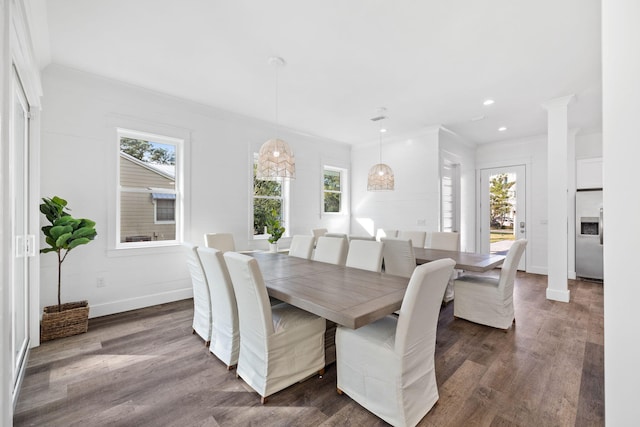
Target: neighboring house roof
{"type": "Point", "coordinates": [167, 171]}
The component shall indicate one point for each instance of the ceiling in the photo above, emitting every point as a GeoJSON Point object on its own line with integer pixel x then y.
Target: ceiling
{"type": "Point", "coordinates": [428, 62]}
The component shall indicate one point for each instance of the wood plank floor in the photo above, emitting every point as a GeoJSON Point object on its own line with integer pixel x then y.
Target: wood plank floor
{"type": "Point", "coordinates": [145, 368]}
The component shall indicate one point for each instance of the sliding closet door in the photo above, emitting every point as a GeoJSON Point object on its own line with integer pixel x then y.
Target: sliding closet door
{"type": "Point", "coordinates": [22, 243]}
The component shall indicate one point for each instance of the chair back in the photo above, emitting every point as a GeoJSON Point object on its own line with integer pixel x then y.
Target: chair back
{"type": "Point", "coordinates": [220, 241]}
{"type": "Point", "coordinates": [510, 267]}
{"type": "Point", "coordinates": [443, 240]}
{"type": "Point", "coordinates": [386, 232]}
{"type": "Point", "coordinates": [399, 257]}
{"type": "Point", "coordinates": [224, 308]}
{"type": "Point", "coordinates": [201, 293]}
{"type": "Point", "coordinates": [254, 309]}
{"type": "Point", "coordinates": [340, 235]}
{"type": "Point", "coordinates": [318, 232]}
{"type": "Point", "coordinates": [301, 246]}
{"type": "Point", "coordinates": [357, 237]}
{"type": "Point", "coordinates": [417, 237]}
{"type": "Point", "coordinates": [418, 316]}
{"type": "Point", "coordinates": [365, 255]}
{"type": "Point", "coordinates": [332, 250]}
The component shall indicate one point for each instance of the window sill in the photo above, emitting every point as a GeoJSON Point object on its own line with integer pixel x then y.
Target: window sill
{"type": "Point", "coordinates": [135, 250]}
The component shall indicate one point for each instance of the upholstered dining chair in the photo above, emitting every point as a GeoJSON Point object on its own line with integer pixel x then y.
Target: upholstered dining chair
{"type": "Point", "coordinates": [360, 237]}
{"type": "Point", "coordinates": [332, 250]}
{"type": "Point", "coordinates": [201, 294]}
{"type": "Point", "coordinates": [318, 232]}
{"type": "Point", "coordinates": [386, 232]}
{"type": "Point", "coordinates": [365, 255]}
{"type": "Point", "coordinates": [225, 333]}
{"type": "Point", "coordinates": [388, 366]}
{"type": "Point", "coordinates": [221, 241]}
{"type": "Point", "coordinates": [301, 246]}
{"type": "Point", "coordinates": [417, 237]}
{"type": "Point", "coordinates": [279, 345]}
{"type": "Point", "coordinates": [445, 241]}
{"type": "Point", "coordinates": [399, 257]}
{"type": "Point", "coordinates": [489, 300]}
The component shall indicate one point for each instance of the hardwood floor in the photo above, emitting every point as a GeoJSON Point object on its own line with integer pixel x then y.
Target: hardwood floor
{"type": "Point", "coordinates": [145, 368]}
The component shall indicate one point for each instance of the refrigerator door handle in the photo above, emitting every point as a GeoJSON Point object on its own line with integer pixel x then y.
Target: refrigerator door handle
{"type": "Point", "coordinates": [601, 227]}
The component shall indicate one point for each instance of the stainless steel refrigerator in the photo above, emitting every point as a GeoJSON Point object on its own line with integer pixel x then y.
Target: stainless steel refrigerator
{"type": "Point", "coordinates": [589, 234]}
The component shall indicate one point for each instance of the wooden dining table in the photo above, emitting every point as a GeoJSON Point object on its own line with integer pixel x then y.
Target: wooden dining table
{"type": "Point", "coordinates": [469, 261]}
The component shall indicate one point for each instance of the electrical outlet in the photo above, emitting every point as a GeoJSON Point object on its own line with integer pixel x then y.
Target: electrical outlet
{"type": "Point", "coordinates": [422, 222]}
{"type": "Point", "coordinates": [100, 282]}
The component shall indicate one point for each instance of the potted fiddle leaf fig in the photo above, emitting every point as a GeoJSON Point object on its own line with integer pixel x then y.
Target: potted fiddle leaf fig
{"type": "Point", "coordinates": [63, 234]}
{"type": "Point", "coordinates": [275, 230]}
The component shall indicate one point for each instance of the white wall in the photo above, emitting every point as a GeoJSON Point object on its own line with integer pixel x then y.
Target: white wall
{"type": "Point", "coordinates": [415, 202]}
{"type": "Point", "coordinates": [79, 148]}
{"type": "Point", "coordinates": [533, 153]}
{"type": "Point", "coordinates": [621, 151]}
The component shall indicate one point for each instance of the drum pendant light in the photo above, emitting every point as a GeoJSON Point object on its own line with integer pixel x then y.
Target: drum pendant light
{"type": "Point", "coordinates": [275, 158]}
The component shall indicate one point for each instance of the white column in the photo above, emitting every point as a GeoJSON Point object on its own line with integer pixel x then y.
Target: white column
{"type": "Point", "coordinates": [557, 199]}
{"type": "Point", "coordinates": [621, 200]}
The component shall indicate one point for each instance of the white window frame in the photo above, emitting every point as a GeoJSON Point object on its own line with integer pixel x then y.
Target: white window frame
{"type": "Point", "coordinates": [284, 197]}
{"type": "Point", "coordinates": [450, 206]}
{"type": "Point", "coordinates": [179, 143]}
{"type": "Point", "coordinates": [343, 190]}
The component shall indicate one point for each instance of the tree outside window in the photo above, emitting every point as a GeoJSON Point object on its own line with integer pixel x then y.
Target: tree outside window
{"type": "Point", "coordinates": [501, 196]}
{"type": "Point", "coordinates": [268, 196]}
{"type": "Point", "coordinates": [332, 182]}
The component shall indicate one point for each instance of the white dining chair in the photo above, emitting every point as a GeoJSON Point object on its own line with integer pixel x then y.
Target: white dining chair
{"type": "Point", "coordinates": [445, 241]}
{"type": "Point", "coordinates": [388, 366]}
{"type": "Point", "coordinates": [201, 294]}
{"type": "Point", "coordinates": [331, 249]}
{"type": "Point", "coordinates": [318, 232]}
{"type": "Point", "coordinates": [225, 333]}
{"type": "Point", "coordinates": [301, 246]}
{"type": "Point", "coordinates": [489, 300]}
{"type": "Point", "coordinates": [399, 257]}
{"type": "Point", "coordinates": [417, 237]}
{"type": "Point", "coordinates": [386, 232]}
{"type": "Point", "coordinates": [360, 237]}
{"type": "Point", "coordinates": [279, 345]}
{"type": "Point", "coordinates": [221, 241]}
{"type": "Point", "coordinates": [365, 255]}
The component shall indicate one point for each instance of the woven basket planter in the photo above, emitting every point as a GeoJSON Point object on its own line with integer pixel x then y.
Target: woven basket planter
{"type": "Point", "coordinates": [72, 320]}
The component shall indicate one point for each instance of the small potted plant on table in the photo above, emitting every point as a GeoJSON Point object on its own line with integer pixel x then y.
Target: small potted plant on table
{"type": "Point", "coordinates": [275, 230]}
{"type": "Point", "coordinates": [62, 235]}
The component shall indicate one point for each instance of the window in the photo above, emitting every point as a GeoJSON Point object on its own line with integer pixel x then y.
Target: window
{"type": "Point", "coordinates": [333, 190]}
{"type": "Point", "coordinates": [450, 199]}
{"type": "Point", "coordinates": [148, 189]}
{"type": "Point", "coordinates": [268, 196]}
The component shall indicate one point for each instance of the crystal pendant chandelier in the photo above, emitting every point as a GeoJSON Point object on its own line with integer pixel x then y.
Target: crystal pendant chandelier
{"type": "Point", "coordinates": [275, 158]}
{"type": "Point", "coordinates": [380, 175]}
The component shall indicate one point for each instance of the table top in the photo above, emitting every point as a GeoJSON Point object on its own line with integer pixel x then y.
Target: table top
{"type": "Point", "coordinates": [469, 261]}
{"type": "Point", "coordinates": [347, 296]}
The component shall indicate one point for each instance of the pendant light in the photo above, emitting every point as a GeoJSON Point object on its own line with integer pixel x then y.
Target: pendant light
{"type": "Point", "coordinates": [275, 158]}
{"type": "Point", "coordinates": [380, 175]}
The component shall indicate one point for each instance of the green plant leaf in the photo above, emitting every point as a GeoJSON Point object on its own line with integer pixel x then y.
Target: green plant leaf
{"type": "Point", "coordinates": [59, 201]}
{"type": "Point", "coordinates": [84, 232]}
{"type": "Point", "coordinates": [61, 241]}
{"type": "Point", "coordinates": [78, 242]}
{"type": "Point", "coordinates": [59, 230]}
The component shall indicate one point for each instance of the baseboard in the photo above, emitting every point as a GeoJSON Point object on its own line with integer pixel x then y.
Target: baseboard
{"type": "Point", "coordinates": [97, 310]}
{"type": "Point", "coordinates": [556, 295]}
{"type": "Point", "coordinates": [537, 270]}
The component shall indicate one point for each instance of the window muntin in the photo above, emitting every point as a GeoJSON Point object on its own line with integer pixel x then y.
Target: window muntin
{"type": "Point", "coordinates": [268, 195]}
{"type": "Point", "coordinates": [148, 190]}
{"type": "Point", "coordinates": [333, 193]}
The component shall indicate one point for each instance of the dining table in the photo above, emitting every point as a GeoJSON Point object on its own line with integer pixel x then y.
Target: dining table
{"type": "Point", "coordinates": [468, 261]}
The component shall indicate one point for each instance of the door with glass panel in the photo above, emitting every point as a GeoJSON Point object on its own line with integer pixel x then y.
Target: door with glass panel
{"type": "Point", "coordinates": [502, 209]}
{"type": "Point", "coordinates": [23, 244]}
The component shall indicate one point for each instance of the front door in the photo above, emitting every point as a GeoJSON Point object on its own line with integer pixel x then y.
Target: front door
{"type": "Point", "coordinates": [502, 209]}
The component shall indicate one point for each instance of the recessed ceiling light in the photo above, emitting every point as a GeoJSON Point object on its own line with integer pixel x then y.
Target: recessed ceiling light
{"type": "Point", "coordinates": [488, 102]}
{"type": "Point", "coordinates": [383, 130]}
{"type": "Point", "coordinates": [502, 128]}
